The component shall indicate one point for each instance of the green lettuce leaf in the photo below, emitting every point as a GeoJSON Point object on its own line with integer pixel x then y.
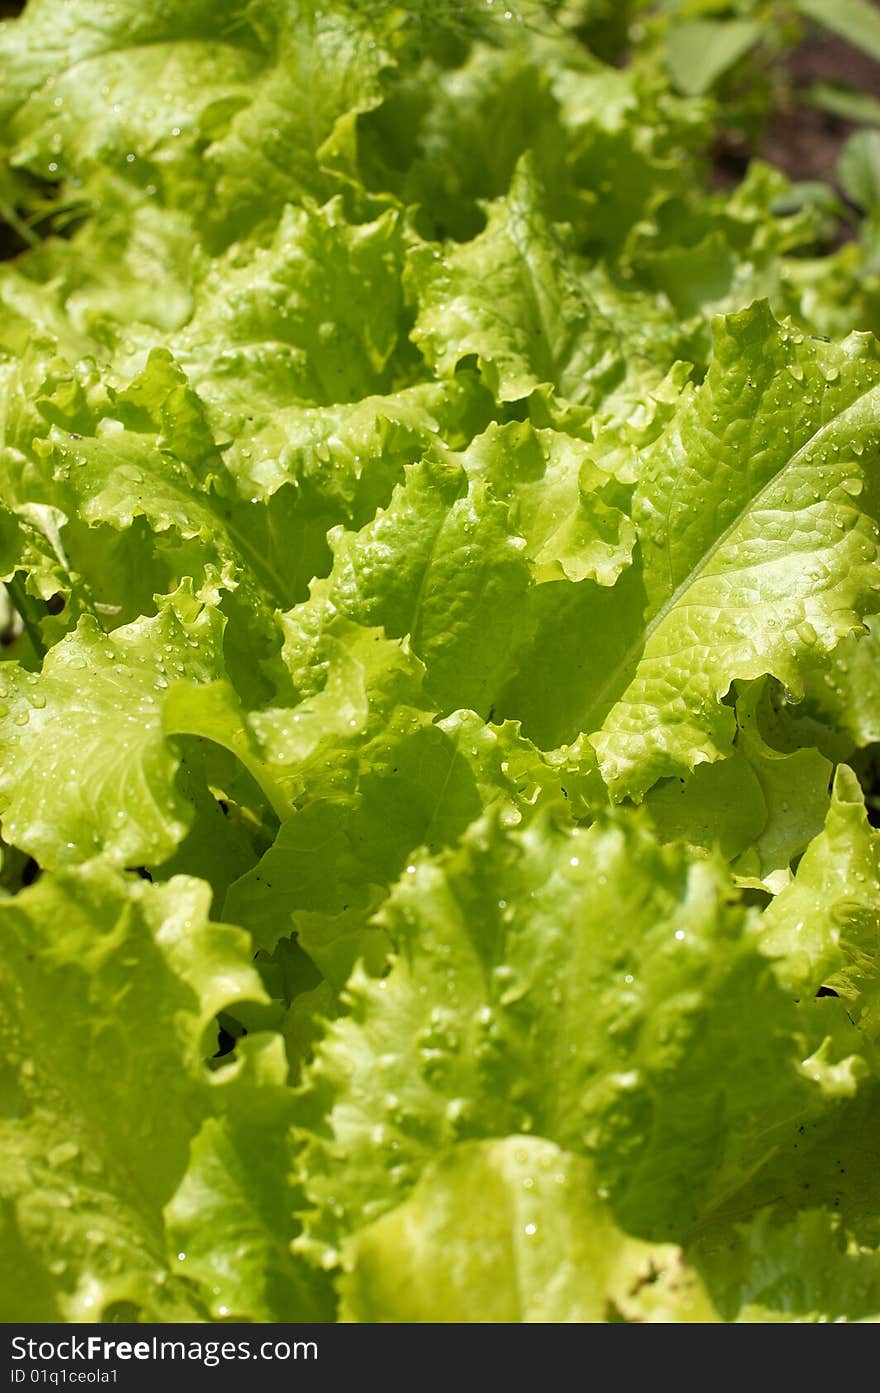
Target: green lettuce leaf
{"type": "Point", "coordinates": [824, 923]}
{"type": "Point", "coordinates": [414, 784]}
{"type": "Point", "coordinates": [846, 696]}
{"type": "Point", "coordinates": [187, 108]}
{"type": "Point", "coordinates": [520, 300]}
{"type": "Point", "coordinates": [807, 1269]}
{"type": "Point", "coordinates": [85, 1171]}
{"type": "Point", "coordinates": [622, 969]}
{"type": "Point", "coordinates": [442, 566]}
{"type": "Point", "coordinates": [87, 769]}
{"type": "Point", "coordinates": [230, 1222]}
{"type": "Point", "coordinates": [720, 594]}
{"type": "Point", "coordinates": [315, 317]}
{"type": "Point", "coordinates": [540, 1247]}
{"type": "Point", "coordinates": [699, 51]}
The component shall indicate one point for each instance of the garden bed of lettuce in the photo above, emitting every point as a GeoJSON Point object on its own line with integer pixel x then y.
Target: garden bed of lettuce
{"type": "Point", "coordinates": [439, 690]}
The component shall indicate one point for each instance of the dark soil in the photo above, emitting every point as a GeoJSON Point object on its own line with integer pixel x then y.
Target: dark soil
{"type": "Point", "coordinates": [804, 142]}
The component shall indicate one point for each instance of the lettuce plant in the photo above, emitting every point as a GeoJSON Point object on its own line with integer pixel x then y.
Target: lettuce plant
{"type": "Point", "coordinates": [439, 707]}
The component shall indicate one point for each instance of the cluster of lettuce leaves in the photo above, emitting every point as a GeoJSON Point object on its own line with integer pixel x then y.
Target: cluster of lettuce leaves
{"type": "Point", "coordinates": [440, 702]}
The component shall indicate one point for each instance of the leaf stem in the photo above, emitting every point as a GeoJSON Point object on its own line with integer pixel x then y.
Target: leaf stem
{"type": "Point", "coordinates": [24, 606]}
